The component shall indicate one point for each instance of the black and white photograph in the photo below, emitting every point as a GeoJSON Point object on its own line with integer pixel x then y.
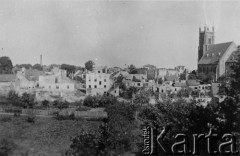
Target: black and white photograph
{"type": "Point", "coordinates": [119, 77]}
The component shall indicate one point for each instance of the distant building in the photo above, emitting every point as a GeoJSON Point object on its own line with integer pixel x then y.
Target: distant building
{"type": "Point", "coordinates": [213, 57]}
{"type": "Point", "coordinates": [98, 81]}
{"type": "Point", "coordinates": [7, 83]}
{"type": "Point", "coordinates": [57, 82]}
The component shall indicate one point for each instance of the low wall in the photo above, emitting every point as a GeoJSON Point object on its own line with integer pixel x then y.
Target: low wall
{"type": "Point", "coordinates": [51, 112]}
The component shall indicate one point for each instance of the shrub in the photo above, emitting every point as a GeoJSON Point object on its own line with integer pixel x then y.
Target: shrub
{"type": "Point", "coordinates": [82, 108]}
{"type": "Point", "coordinates": [6, 119]}
{"type": "Point", "coordinates": [65, 117]}
{"type": "Point", "coordinates": [60, 104]}
{"type": "Point", "coordinates": [6, 147]}
{"type": "Point", "coordinates": [45, 103]}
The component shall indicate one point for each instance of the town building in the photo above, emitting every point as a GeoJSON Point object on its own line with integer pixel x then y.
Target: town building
{"type": "Point", "coordinates": [213, 57]}
{"type": "Point", "coordinates": [57, 82]}
{"type": "Point", "coordinates": [98, 81]}
{"type": "Point", "coordinates": [7, 83]}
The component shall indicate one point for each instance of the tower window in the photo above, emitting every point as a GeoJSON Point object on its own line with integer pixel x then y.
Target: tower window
{"type": "Point", "coordinates": [209, 41]}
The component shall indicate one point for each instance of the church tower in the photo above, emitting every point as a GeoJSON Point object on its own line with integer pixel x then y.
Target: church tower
{"type": "Point", "coordinates": [206, 38]}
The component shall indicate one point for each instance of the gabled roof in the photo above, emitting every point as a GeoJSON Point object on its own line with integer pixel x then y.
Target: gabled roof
{"type": "Point", "coordinates": [214, 53]}
{"type": "Point", "coordinates": [180, 84]}
{"type": "Point", "coordinates": [192, 83]}
{"type": "Point", "coordinates": [7, 78]}
{"type": "Point", "coordinates": [33, 74]}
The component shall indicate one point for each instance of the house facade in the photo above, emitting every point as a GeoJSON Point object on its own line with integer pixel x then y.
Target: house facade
{"type": "Point", "coordinates": [98, 82]}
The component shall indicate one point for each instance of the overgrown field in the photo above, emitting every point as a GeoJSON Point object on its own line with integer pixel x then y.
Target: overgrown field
{"type": "Point", "coordinates": [47, 136]}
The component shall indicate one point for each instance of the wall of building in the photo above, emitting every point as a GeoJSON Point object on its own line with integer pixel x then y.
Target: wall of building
{"type": "Point", "coordinates": [96, 80]}
{"type": "Point", "coordinates": [224, 58]}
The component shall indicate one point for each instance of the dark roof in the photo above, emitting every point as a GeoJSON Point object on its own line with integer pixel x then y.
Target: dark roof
{"type": "Point", "coordinates": [192, 83]}
{"type": "Point", "coordinates": [180, 84]}
{"type": "Point", "coordinates": [233, 57]}
{"type": "Point", "coordinates": [214, 53]}
{"type": "Point", "coordinates": [7, 78]}
{"type": "Point", "coordinates": [33, 74]}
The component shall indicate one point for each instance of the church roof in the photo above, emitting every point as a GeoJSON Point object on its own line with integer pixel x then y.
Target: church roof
{"type": "Point", "coordinates": [214, 53]}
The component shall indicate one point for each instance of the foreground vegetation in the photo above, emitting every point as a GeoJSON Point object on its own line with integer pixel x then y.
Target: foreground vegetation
{"type": "Point", "coordinates": [47, 136]}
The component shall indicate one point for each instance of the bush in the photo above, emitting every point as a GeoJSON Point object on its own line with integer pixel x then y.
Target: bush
{"type": "Point", "coordinates": [83, 108]}
{"type": "Point", "coordinates": [99, 101]}
{"type": "Point", "coordinates": [31, 119]}
{"type": "Point", "coordinates": [60, 104]}
{"type": "Point", "coordinates": [45, 103]}
{"type": "Point", "coordinates": [65, 117]}
{"type": "Point", "coordinates": [6, 119]}
{"type": "Point", "coordinates": [6, 147]}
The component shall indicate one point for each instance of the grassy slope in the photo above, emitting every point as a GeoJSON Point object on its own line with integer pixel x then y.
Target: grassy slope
{"type": "Point", "coordinates": [47, 136]}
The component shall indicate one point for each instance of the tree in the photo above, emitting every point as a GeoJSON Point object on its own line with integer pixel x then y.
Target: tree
{"type": "Point", "coordinates": [142, 97]}
{"type": "Point", "coordinates": [14, 98]}
{"type": "Point", "coordinates": [206, 78]}
{"type": "Point", "coordinates": [27, 100]}
{"type": "Point", "coordinates": [114, 137]}
{"type": "Point", "coordinates": [192, 76]}
{"type": "Point", "coordinates": [45, 103]}
{"type": "Point", "coordinates": [89, 65]}
{"type": "Point", "coordinates": [183, 75]}
{"type": "Point", "coordinates": [86, 144]}
{"type": "Point", "coordinates": [26, 66]}
{"type": "Point", "coordinates": [5, 65]}
{"type": "Point", "coordinates": [160, 80]}
{"type": "Point", "coordinates": [38, 67]}
{"type": "Point", "coordinates": [132, 69]}
{"type": "Point", "coordinates": [69, 68]}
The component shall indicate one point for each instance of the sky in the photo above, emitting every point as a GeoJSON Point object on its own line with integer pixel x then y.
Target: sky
{"type": "Point", "coordinates": [112, 33]}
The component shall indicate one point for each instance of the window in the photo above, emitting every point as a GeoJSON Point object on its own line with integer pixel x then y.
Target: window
{"type": "Point", "coordinates": [138, 84]}
{"type": "Point", "coordinates": [105, 80]}
{"type": "Point", "coordinates": [56, 80]}
{"type": "Point", "coordinates": [115, 91]}
{"type": "Point", "coordinates": [195, 88]}
{"type": "Point", "coordinates": [67, 86]}
{"type": "Point", "coordinates": [99, 71]}
{"type": "Point", "coordinates": [57, 87]}
{"type": "Point", "coordinates": [100, 82]}
{"type": "Point", "coordinates": [103, 70]}
{"type": "Point", "coordinates": [49, 86]}
{"type": "Point", "coordinates": [105, 86]}
{"type": "Point", "coordinates": [89, 86]}
{"type": "Point", "coordinates": [95, 80]}
{"type": "Point", "coordinates": [95, 86]}
{"type": "Point", "coordinates": [209, 41]}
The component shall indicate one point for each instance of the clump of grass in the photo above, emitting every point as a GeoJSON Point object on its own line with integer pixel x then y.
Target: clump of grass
{"type": "Point", "coordinates": [6, 119]}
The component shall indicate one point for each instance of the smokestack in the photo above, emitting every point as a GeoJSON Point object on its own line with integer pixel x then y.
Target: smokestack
{"type": "Point", "coordinates": [41, 59]}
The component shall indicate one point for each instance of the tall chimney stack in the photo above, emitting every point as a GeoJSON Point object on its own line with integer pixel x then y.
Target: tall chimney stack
{"type": "Point", "coordinates": [41, 59]}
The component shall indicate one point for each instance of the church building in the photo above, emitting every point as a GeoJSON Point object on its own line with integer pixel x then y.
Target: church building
{"type": "Point", "coordinates": [213, 57]}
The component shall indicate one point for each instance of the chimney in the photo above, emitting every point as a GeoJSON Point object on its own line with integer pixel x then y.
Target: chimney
{"type": "Point", "coordinates": [41, 59]}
